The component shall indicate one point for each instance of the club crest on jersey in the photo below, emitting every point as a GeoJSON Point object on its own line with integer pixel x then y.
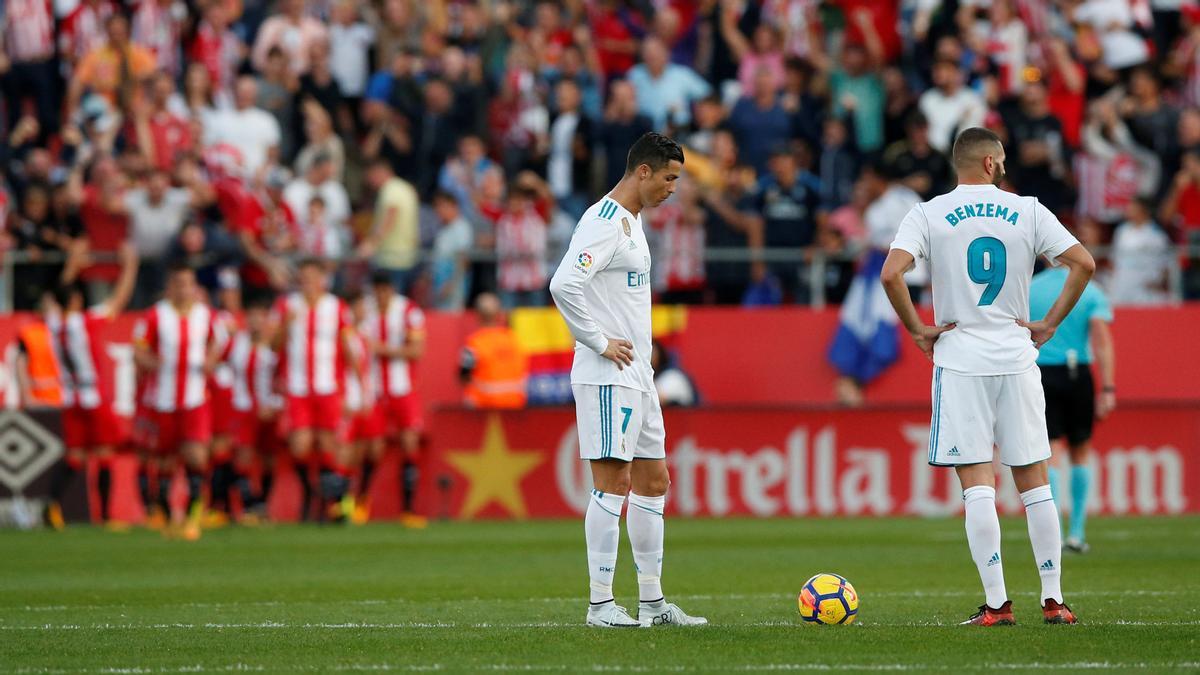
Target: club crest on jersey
{"type": "Point", "coordinates": [625, 225]}
{"type": "Point", "coordinates": [584, 262]}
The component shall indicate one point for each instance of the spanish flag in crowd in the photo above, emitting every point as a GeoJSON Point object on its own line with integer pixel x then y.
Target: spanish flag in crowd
{"type": "Point", "coordinates": [545, 337]}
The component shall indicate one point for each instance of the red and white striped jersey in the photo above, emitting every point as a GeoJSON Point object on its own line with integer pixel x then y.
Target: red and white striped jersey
{"type": "Point", "coordinates": [181, 342]}
{"type": "Point", "coordinates": [253, 369]}
{"type": "Point", "coordinates": [390, 328]}
{"type": "Point", "coordinates": [312, 356]}
{"type": "Point", "coordinates": [521, 248]}
{"type": "Point", "coordinates": [79, 347]}
{"type": "Point", "coordinates": [223, 375]}
{"type": "Point", "coordinates": [82, 30]}
{"type": "Point", "coordinates": [361, 392]}
{"type": "Point", "coordinates": [28, 27]}
{"type": "Point", "coordinates": [680, 248]}
{"type": "Point", "coordinates": [159, 29]}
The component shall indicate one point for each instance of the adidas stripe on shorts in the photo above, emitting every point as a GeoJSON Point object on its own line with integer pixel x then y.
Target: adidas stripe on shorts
{"type": "Point", "coordinates": [973, 413]}
{"type": "Point", "coordinates": [619, 423]}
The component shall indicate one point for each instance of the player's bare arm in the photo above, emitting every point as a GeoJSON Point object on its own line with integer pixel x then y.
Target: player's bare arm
{"type": "Point", "coordinates": [1081, 267]}
{"type": "Point", "coordinates": [1106, 360]}
{"type": "Point", "coordinates": [892, 276]}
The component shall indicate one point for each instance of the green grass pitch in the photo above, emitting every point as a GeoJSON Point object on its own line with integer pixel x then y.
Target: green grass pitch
{"type": "Point", "coordinates": [496, 597]}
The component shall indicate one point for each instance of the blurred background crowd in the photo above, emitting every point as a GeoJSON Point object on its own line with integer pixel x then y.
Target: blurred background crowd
{"type": "Point", "coordinates": [454, 143]}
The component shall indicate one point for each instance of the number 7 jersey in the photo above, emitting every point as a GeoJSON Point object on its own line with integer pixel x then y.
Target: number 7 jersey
{"type": "Point", "coordinates": [981, 243]}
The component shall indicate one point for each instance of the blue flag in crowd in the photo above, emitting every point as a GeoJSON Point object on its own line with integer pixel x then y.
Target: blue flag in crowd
{"type": "Point", "coordinates": [867, 341]}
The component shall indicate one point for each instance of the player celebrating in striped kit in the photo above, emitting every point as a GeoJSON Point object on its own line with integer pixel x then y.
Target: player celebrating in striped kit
{"type": "Point", "coordinates": [981, 244]}
{"type": "Point", "coordinates": [602, 288]}
{"type": "Point", "coordinates": [179, 344]}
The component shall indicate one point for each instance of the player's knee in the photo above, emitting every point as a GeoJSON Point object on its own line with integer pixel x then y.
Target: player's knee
{"type": "Point", "coordinates": [653, 486]}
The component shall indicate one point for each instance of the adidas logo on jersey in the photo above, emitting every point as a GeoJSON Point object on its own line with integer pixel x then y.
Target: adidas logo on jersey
{"type": "Point", "coordinates": [995, 560]}
{"type": "Point", "coordinates": [1047, 566]}
{"type": "Point", "coordinates": [953, 452]}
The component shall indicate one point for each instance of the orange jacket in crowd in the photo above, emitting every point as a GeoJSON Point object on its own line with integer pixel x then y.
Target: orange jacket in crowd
{"type": "Point", "coordinates": [498, 367]}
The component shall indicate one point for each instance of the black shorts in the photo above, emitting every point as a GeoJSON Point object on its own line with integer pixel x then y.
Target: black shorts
{"type": "Point", "coordinates": [1070, 402]}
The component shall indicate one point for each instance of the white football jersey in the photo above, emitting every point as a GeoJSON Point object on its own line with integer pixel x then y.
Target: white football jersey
{"type": "Point", "coordinates": [981, 243]}
{"type": "Point", "coordinates": [602, 288]}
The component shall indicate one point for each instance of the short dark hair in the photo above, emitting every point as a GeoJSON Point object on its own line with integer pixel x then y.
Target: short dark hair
{"type": "Point", "coordinates": [655, 151]}
{"type": "Point", "coordinates": [381, 278]}
{"type": "Point", "coordinates": [64, 292]}
{"type": "Point", "coordinates": [179, 267]}
{"type": "Point", "coordinates": [311, 261]}
{"type": "Point", "coordinates": [258, 300]}
{"type": "Point", "coordinates": [441, 195]}
{"type": "Point", "coordinates": [972, 144]}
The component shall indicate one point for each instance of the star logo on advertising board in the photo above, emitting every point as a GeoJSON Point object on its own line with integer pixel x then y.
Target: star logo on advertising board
{"type": "Point", "coordinates": [494, 472]}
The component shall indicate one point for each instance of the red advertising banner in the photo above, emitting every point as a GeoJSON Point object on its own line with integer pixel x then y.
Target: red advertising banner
{"type": "Point", "coordinates": [773, 462]}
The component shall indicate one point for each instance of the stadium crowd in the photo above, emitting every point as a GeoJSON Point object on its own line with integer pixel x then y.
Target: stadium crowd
{"type": "Point", "coordinates": [451, 144]}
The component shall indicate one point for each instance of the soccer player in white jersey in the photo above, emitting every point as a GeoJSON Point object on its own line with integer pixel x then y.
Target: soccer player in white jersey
{"type": "Point", "coordinates": [602, 289]}
{"type": "Point", "coordinates": [981, 244]}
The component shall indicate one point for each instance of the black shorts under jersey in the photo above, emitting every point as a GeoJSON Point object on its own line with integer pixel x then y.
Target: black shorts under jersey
{"type": "Point", "coordinates": [1070, 402]}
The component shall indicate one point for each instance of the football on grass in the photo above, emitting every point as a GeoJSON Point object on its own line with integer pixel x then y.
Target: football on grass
{"type": "Point", "coordinates": [828, 599]}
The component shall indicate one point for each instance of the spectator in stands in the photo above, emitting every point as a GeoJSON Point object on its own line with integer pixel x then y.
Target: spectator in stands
{"type": "Point", "coordinates": [581, 68]}
{"type": "Point", "coordinates": [278, 89]}
{"type": "Point", "coordinates": [158, 26]}
{"type": "Point", "coordinates": [157, 214]}
{"type": "Point", "coordinates": [463, 173]}
{"type": "Point", "coordinates": [200, 100]}
{"type": "Point", "coordinates": [1153, 122]}
{"type": "Point", "coordinates": [27, 61]}
{"type": "Point", "coordinates": [797, 98]}
{"type": "Point", "coordinates": [105, 227]}
{"type": "Point", "coordinates": [753, 56]}
{"type": "Point", "coordinates": [318, 85]}
{"type": "Point", "coordinates": [1039, 161]}
{"type": "Point", "coordinates": [673, 385]}
{"type": "Point", "coordinates": [521, 243]}
{"type": "Point", "coordinates": [350, 41]}
{"type": "Point", "coordinates": [393, 241]}
{"type": "Point", "coordinates": [327, 236]}
{"type": "Point", "coordinates": [731, 222]}
{"type": "Point", "coordinates": [950, 106]}
{"type": "Point", "coordinates": [568, 168]}
{"type": "Point", "coordinates": [249, 128]}
{"type": "Point", "coordinates": [788, 199]}
{"type": "Point", "coordinates": [708, 118]}
{"type": "Point", "coordinates": [677, 230]}
{"type": "Point", "coordinates": [622, 125]}
{"type": "Point", "coordinates": [922, 168]}
{"type": "Point", "coordinates": [1141, 257]}
{"type": "Point", "coordinates": [161, 135]}
{"type": "Point", "coordinates": [493, 366]}
{"type": "Point", "coordinates": [216, 48]}
{"type": "Point", "coordinates": [435, 133]}
{"type": "Point", "coordinates": [322, 141]}
{"type": "Point", "coordinates": [839, 163]}
{"type": "Point", "coordinates": [114, 70]}
{"type": "Point", "coordinates": [759, 122]}
{"type": "Point", "coordinates": [665, 91]}
{"type": "Point", "coordinates": [857, 91]}
{"type": "Point", "coordinates": [291, 31]}
{"type": "Point", "coordinates": [450, 266]}
{"type": "Point", "coordinates": [35, 232]}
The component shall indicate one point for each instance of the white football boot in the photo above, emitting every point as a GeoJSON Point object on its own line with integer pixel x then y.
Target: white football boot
{"type": "Point", "coordinates": [667, 614]}
{"type": "Point", "coordinates": [610, 615]}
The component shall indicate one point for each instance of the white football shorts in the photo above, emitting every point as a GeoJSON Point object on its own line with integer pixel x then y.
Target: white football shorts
{"type": "Point", "coordinates": [619, 422]}
{"type": "Point", "coordinates": [971, 414]}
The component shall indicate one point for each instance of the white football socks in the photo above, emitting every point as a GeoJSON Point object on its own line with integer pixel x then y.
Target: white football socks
{"type": "Point", "coordinates": [1045, 535]}
{"type": "Point", "coordinates": [645, 523]}
{"type": "Point", "coordinates": [602, 530]}
{"type": "Point", "coordinates": [983, 536]}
